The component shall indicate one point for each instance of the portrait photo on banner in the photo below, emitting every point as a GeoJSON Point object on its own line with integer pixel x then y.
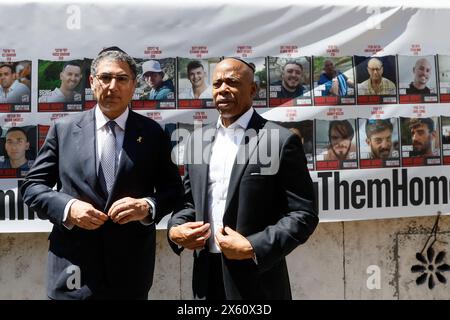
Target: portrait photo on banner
{"type": "Point", "coordinates": [376, 79]}
{"type": "Point", "coordinates": [290, 81]}
{"type": "Point", "coordinates": [420, 141]}
{"type": "Point", "coordinates": [417, 79]}
{"type": "Point", "coordinates": [61, 85]}
{"type": "Point", "coordinates": [155, 84]}
{"type": "Point", "coordinates": [15, 86]}
{"type": "Point", "coordinates": [18, 150]}
{"type": "Point", "coordinates": [379, 144]}
{"type": "Point", "coordinates": [333, 80]}
{"type": "Point", "coordinates": [336, 144]}
{"type": "Point", "coordinates": [195, 82]}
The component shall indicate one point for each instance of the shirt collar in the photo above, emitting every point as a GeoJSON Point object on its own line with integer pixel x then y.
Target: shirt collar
{"type": "Point", "coordinates": [242, 121]}
{"type": "Point", "coordinates": [101, 119]}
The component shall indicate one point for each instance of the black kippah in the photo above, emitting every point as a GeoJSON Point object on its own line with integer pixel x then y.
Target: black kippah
{"type": "Point", "coordinates": [244, 62]}
{"type": "Point", "coordinates": [114, 48]}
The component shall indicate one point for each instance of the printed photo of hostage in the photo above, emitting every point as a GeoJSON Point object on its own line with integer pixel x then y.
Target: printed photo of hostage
{"type": "Point", "coordinates": [305, 130]}
{"type": "Point", "coordinates": [445, 125]}
{"type": "Point", "coordinates": [60, 85]}
{"type": "Point", "coordinates": [17, 151]}
{"type": "Point", "coordinates": [194, 83]}
{"type": "Point", "coordinates": [420, 141]}
{"type": "Point", "coordinates": [417, 79]}
{"type": "Point", "coordinates": [377, 79]}
{"type": "Point", "coordinates": [260, 78]}
{"type": "Point", "coordinates": [378, 143]}
{"type": "Point", "coordinates": [444, 77]}
{"type": "Point", "coordinates": [336, 144]}
{"type": "Point", "coordinates": [290, 81]}
{"type": "Point", "coordinates": [333, 80]}
{"type": "Point", "coordinates": [155, 87]}
{"type": "Point", "coordinates": [15, 85]}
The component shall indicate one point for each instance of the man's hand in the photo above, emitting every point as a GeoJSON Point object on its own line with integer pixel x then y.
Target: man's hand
{"type": "Point", "coordinates": [128, 209]}
{"type": "Point", "coordinates": [191, 235]}
{"type": "Point", "coordinates": [84, 215]}
{"type": "Point", "coordinates": [233, 245]}
{"type": "Point", "coordinates": [335, 87]}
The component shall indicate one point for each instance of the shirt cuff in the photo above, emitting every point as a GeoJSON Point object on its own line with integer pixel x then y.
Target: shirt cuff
{"type": "Point", "coordinates": [148, 220]}
{"type": "Point", "coordinates": [66, 223]}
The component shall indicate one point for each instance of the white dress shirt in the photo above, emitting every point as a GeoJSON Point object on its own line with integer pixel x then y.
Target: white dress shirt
{"type": "Point", "coordinates": [223, 155]}
{"type": "Point", "coordinates": [101, 132]}
{"type": "Point", "coordinates": [189, 94]}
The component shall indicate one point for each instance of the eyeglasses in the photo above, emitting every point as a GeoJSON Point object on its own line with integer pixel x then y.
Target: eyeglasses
{"type": "Point", "coordinates": [106, 78]}
{"type": "Point", "coordinates": [375, 69]}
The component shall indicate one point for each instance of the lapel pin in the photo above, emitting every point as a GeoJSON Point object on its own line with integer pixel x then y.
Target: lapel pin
{"type": "Point", "coordinates": [139, 140]}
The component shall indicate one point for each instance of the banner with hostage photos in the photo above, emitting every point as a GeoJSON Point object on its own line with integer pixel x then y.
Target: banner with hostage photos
{"type": "Point", "coordinates": [371, 106]}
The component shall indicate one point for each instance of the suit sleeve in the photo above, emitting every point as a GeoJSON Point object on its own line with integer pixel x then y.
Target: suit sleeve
{"type": "Point", "coordinates": [38, 189]}
{"type": "Point", "coordinates": [296, 225]}
{"type": "Point", "coordinates": [185, 213]}
{"type": "Point", "coordinates": [169, 189]}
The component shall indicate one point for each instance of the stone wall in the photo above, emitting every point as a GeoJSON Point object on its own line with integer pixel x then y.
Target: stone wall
{"type": "Point", "coordinates": [343, 260]}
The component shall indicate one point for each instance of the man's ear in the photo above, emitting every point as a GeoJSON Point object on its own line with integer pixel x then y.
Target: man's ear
{"type": "Point", "coordinates": [91, 81]}
{"type": "Point", "coordinates": [253, 88]}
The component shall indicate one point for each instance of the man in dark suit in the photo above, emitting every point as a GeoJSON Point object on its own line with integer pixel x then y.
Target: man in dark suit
{"type": "Point", "coordinates": [114, 180]}
{"type": "Point", "coordinates": [249, 203]}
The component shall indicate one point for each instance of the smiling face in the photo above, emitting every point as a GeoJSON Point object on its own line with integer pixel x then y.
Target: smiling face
{"type": "Point", "coordinates": [291, 76]}
{"type": "Point", "coordinates": [70, 77]}
{"type": "Point", "coordinates": [113, 98]}
{"type": "Point", "coordinates": [422, 72]}
{"type": "Point", "coordinates": [197, 77]}
{"type": "Point", "coordinates": [233, 89]}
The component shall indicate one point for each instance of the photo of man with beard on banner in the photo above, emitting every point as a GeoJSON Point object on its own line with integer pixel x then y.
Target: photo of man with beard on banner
{"type": "Point", "coordinates": [290, 81]}
{"type": "Point", "coordinates": [420, 141]}
{"type": "Point", "coordinates": [336, 144]}
{"type": "Point", "coordinates": [378, 143]}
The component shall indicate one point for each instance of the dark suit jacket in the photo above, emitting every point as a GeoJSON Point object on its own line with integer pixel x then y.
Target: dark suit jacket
{"type": "Point", "coordinates": [115, 261]}
{"type": "Point", "coordinates": [275, 211]}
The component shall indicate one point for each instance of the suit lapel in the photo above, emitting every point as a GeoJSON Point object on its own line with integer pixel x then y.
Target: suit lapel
{"type": "Point", "coordinates": [247, 147]}
{"type": "Point", "coordinates": [84, 138]}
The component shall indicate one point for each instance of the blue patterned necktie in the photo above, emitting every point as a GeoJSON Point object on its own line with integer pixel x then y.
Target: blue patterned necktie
{"type": "Point", "coordinates": [108, 159]}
